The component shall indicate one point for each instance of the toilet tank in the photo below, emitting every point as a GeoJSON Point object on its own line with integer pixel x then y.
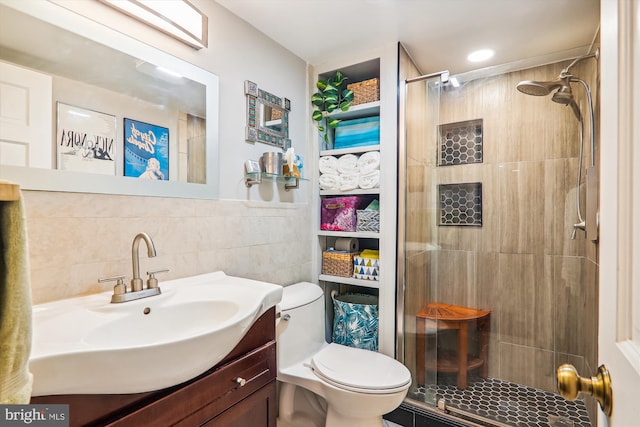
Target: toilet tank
{"type": "Point", "coordinates": [300, 328]}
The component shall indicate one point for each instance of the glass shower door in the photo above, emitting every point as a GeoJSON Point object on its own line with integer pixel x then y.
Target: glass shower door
{"type": "Point", "coordinates": [494, 293]}
{"type": "Point", "coordinates": [420, 106]}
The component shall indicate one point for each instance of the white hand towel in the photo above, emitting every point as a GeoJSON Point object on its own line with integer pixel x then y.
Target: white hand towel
{"type": "Point", "coordinates": [369, 161]}
{"type": "Point", "coordinates": [349, 181]}
{"type": "Point", "coordinates": [329, 181]}
{"type": "Point", "coordinates": [348, 164]}
{"type": "Point", "coordinates": [369, 180]}
{"type": "Point", "coordinates": [328, 164]}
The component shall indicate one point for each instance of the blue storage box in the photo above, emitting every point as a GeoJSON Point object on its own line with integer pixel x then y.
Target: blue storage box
{"type": "Point", "coordinates": [357, 132]}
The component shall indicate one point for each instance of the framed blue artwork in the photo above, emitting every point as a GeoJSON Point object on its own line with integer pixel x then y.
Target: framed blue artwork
{"type": "Point", "coordinates": [146, 150]}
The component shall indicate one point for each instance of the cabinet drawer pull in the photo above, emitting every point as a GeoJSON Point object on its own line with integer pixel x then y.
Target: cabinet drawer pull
{"type": "Point", "coordinates": [241, 381]}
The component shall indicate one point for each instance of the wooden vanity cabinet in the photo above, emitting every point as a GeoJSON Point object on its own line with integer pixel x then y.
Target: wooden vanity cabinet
{"type": "Point", "coordinates": [239, 391]}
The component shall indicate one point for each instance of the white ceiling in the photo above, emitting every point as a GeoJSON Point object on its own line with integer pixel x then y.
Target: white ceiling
{"type": "Point", "coordinates": [438, 34]}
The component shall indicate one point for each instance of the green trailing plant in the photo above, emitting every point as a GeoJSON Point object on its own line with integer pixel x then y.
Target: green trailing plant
{"type": "Point", "coordinates": [329, 98]}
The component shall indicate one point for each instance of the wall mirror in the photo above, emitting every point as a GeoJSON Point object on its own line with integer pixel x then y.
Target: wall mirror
{"type": "Point", "coordinates": [267, 117]}
{"type": "Point", "coordinates": [150, 104]}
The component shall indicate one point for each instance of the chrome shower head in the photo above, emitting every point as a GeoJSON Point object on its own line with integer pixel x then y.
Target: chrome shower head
{"type": "Point", "coordinates": [564, 95]}
{"type": "Point", "coordinates": [530, 87]}
{"type": "Point", "coordinates": [562, 86]}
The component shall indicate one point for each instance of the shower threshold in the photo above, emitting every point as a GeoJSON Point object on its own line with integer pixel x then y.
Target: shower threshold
{"type": "Point", "coordinates": [495, 402]}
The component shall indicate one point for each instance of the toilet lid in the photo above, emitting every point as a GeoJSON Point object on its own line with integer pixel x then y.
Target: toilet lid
{"type": "Point", "coordinates": [360, 370]}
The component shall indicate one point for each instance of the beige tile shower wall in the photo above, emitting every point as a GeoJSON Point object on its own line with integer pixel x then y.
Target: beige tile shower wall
{"type": "Point", "coordinates": [522, 264]}
{"type": "Point", "coordinates": [76, 238]}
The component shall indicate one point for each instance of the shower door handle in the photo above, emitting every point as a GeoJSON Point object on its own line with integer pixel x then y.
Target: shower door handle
{"type": "Point", "coordinates": [570, 384]}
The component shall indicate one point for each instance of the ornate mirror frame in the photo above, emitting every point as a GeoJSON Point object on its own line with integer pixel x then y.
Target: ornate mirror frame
{"type": "Point", "coordinates": [258, 128]}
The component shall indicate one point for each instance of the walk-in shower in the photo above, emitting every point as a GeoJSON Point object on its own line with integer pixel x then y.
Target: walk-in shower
{"type": "Point", "coordinates": [564, 95]}
{"type": "Point", "coordinates": [493, 293]}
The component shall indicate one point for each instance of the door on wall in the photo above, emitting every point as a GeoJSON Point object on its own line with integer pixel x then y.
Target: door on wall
{"type": "Point", "coordinates": [619, 335]}
{"type": "Point", "coordinates": [25, 117]}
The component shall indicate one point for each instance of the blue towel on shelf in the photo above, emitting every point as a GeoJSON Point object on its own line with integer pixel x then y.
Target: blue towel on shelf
{"type": "Point", "coordinates": [358, 132]}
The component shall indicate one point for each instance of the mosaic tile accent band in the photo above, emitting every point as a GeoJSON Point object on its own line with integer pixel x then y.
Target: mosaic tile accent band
{"type": "Point", "coordinates": [461, 143]}
{"type": "Point", "coordinates": [508, 403]}
{"type": "Point", "coordinates": [461, 204]}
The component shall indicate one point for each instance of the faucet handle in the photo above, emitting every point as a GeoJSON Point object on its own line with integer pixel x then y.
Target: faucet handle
{"type": "Point", "coordinates": [120, 288]}
{"type": "Point", "coordinates": [152, 282]}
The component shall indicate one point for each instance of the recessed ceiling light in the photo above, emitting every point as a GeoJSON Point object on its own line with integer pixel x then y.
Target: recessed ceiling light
{"type": "Point", "coordinates": [480, 55]}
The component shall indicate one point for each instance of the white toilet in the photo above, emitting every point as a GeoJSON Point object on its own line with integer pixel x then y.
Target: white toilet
{"type": "Point", "coordinates": [325, 384]}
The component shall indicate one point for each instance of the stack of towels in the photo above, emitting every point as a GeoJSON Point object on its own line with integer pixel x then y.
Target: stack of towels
{"type": "Point", "coordinates": [350, 172]}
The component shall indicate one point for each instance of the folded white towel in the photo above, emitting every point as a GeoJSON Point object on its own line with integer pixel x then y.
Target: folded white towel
{"type": "Point", "coordinates": [328, 164]}
{"type": "Point", "coordinates": [348, 164]}
{"type": "Point", "coordinates": [329, 181]}
{"type": "Point", "coordinates": [349, 181]}
{"type": "Point", "coordinates": [369, 161]}
{"type": "Point", "coordinates": [369, 180]}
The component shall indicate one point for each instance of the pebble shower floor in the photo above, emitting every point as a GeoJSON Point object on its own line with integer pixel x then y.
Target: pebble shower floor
{"type": "Point", "coordinates": [509, 403]}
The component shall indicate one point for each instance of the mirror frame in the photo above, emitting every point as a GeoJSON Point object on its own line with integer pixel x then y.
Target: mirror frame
{"type": "Point", "coordinates": [58, 180]}
{"type": "Point", "coordinates": [257, 99]}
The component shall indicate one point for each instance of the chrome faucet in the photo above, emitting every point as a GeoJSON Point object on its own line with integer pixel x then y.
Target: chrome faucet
{"type": "Point", "coordinates": [120, 292]}
{"type": "Point", "coordinates": [136, 281]}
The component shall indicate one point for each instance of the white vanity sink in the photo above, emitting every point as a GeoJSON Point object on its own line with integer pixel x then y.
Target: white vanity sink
{"type": "Point", "coordinates": [88, 345]}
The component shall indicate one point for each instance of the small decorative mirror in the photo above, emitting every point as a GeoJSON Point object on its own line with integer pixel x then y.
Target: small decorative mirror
{"type": "Point", "coordinates": [267, 117]}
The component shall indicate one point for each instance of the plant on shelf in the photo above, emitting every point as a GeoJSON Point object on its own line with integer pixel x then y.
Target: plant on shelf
{"type": "Point", "coordinates": [329, 98]}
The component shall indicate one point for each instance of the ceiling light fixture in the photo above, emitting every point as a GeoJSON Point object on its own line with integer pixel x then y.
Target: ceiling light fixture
{"type": "Point", "coordinates": [158, 72]}
{"type": "Point", "coordinates": [177, 18]}
{"type": "Point", "coordinates": [169, 72]}
{"type": "Point", "coordinates": [480, 55]}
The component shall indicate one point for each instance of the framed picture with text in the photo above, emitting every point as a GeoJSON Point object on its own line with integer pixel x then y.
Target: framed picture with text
{"type": "Point", "coordinates": [85, 140]}
{"type": "Point", "coordinates": [146, 150]}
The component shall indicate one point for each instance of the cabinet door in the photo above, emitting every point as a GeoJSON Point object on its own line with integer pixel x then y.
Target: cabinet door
{"type": "Point", "coordinates": [202, 400]}
{"type": "Point", "coordinates": [257, 410]}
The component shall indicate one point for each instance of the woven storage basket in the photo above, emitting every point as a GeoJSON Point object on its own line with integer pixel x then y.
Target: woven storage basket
{"type": "Point", "coordinates": [365, 91]}
{"type": "Point", "coordinates": [368, 220]}
{"type": "Point", "coordinates": [337, 263]}
{"type": "Point", "coordinates": [276, 114]}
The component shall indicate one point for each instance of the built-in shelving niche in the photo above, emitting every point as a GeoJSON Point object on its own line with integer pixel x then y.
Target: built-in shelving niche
{"type": "Point", "coordinates": [460, 204]}
{"type": "Point", "coordinates": [461, 143]}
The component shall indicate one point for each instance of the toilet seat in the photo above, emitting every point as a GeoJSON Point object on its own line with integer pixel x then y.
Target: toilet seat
{"type": "Point", "coordinates": [358, 370]}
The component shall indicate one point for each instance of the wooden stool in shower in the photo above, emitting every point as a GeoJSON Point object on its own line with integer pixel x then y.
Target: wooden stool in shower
{"type": "Point", "coordinates": [437, 317]}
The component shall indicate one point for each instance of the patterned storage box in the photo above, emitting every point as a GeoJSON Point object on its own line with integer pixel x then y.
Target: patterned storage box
{"type": "Point", "coordinates": [339, 213]}
{"type": "Point", "coordinates": [355, 320]}
{"type": "Point", "coordinates": [336, 263]}
{"type": "Point", "coordinates": [368, 220]}
{"type": "Point", "coordinates": [366, 268]}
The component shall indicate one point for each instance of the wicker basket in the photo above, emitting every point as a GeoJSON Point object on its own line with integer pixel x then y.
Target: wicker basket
{"type": "Point", "coordinates": [368, 220]}
{"type": "Point", "coordinates": [337, 263]}
{"type": "Point", "coordinates": [365, 91]}
{"type": "Point", "coordinates": [276, 114]}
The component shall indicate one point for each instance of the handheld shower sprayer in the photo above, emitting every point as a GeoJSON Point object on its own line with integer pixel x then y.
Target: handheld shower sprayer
{"type": "Point", "coordinates": [564, 95]}
{"type": "Point", "coordinates": [562, 85]}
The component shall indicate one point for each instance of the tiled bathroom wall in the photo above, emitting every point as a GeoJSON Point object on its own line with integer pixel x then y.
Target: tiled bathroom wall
{"type": "Point", "coordinates": [75, 238]}
{"type": "Point", "coordinates": [521, 263]}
